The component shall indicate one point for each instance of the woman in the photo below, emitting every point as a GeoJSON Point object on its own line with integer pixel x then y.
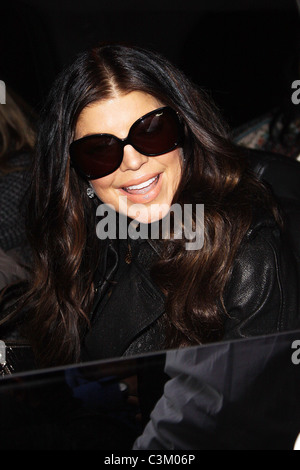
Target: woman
{"type": "Point", "coordinates": [121, 127]}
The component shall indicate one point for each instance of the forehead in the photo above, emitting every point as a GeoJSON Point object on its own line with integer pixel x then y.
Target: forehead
{"type": "Point", "coordinates": [115, 115]}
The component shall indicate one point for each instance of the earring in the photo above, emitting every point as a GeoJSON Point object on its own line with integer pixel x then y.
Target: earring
{"type": "Point", "coordinates": [90, 192]}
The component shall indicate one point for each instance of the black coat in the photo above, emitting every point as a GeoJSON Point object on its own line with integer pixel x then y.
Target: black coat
{"type": "Point", "coordinates": [262, 296]}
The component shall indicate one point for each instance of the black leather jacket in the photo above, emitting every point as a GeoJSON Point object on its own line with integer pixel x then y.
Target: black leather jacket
{"type": "Point", "coordinates": [262, 296]}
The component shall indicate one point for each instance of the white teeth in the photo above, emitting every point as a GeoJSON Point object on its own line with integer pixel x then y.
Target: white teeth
{"type": "Point", "coordinates": [142, 185]}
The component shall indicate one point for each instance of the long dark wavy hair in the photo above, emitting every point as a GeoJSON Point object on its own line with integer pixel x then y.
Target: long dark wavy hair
{"type": "Point", "coordinates": [62, 219]}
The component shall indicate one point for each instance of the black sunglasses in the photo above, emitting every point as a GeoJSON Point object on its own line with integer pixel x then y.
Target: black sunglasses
{"type": "Point", "coordinates": [155, 133]}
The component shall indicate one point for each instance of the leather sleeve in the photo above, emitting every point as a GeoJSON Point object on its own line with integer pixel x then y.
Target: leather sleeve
{"type": "Point", "coordinates": [262, 296]}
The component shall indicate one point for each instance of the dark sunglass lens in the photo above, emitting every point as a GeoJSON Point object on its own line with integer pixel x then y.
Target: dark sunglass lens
{"type": "Point", "coordinates": [96, 156]}
{"type": "Point", "coordinates": [157, 133]}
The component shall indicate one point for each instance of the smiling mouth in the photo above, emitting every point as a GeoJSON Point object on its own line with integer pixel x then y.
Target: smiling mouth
{"type": "Point", "coordinates": [142, 188]}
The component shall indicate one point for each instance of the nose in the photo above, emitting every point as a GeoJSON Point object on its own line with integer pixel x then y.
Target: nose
{"type": "Point", "coordinates": [132, 159]}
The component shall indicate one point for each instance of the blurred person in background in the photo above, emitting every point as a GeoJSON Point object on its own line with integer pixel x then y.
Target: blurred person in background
{"type": "Point", "coordinates": [17, 139]}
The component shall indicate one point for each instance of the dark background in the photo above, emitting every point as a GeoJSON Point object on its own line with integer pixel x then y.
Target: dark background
{"type": "Point", "coordinates": [244, 52]}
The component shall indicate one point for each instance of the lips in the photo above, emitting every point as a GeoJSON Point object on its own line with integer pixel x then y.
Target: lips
{"type": "Point", "coordinates": [144, 189]}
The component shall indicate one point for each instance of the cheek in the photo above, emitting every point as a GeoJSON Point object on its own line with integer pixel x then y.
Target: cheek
{"type": "Point", "coordinates": [102, 186]}
{"type": "Point", "coordinates": [174, 165]}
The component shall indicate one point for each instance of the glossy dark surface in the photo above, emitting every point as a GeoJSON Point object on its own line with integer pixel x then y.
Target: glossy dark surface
{"type": "Point", "coordinates": [81, 407]}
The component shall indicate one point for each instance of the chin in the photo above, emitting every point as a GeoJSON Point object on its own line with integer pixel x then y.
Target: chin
{"type": "Point", "coordinates": [148, 215]}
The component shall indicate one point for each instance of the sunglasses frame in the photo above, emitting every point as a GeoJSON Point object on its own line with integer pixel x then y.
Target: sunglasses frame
{"type": "Point", "coordinates": [127, 141]}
